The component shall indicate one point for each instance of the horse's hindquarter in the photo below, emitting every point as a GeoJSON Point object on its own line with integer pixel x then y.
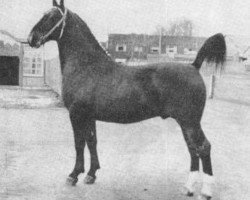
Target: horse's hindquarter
{"type": "Point", "coordinates": [182, 91]}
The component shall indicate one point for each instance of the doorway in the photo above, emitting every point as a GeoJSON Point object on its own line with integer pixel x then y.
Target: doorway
{"type": "Point", "coordinates": [9, 70]}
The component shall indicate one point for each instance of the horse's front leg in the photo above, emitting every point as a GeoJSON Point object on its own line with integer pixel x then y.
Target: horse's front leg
{"type": "Point", "coordinates": [80, 129]}
{"type": "Point", "coordinates": [91, 140]}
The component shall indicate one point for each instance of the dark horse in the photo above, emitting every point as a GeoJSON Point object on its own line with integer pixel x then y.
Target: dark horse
{"type": "Point", "coordinates": [96, 88]}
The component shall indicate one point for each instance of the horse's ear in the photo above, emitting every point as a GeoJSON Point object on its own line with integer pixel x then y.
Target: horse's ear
{"type": "Point", "coordinates": [62, 4]}
{"type": "Point", "coordinates": [55, 3]}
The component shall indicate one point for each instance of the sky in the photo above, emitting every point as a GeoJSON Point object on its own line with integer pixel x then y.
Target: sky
{"type": "Point", "coordinates": [102, 16]}
{"type": "Point", "coordinates": [134, 16]}
{"type": "Point", "coordinates": [230, 17]}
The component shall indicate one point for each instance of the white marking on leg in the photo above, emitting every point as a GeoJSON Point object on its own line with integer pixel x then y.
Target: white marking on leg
{"type": "Point", "coordinates": [193, 178]}
{"type": "Point", "coordinates": [207, 185]}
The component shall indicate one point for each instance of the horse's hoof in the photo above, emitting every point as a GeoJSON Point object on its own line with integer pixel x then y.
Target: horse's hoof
{"type": "Point", "coordinates": [204, 197]}
{"type": "Point", "coordinates": [89, 179]}
{"type": "Point", "coordinates": [71, 181]}
{"type": "Point", "coordinates": [187, 192]}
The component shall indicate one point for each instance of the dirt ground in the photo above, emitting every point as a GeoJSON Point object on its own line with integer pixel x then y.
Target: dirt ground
{"type": "Point", "coordinates": [142, 161]}
{"type": "Point", "coordinates": [147, 160]}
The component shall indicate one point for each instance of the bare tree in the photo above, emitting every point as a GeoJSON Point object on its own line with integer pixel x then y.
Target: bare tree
{"type": "Point", "coordinates": [182, 27]}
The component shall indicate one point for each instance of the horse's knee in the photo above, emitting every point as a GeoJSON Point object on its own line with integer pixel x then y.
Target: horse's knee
{"type": "Point", "coordinates": [91, 142]}
{"type": "Point", "coordinates": [205, 149]}
{"type": "Point", "coordinates": [202, 150]}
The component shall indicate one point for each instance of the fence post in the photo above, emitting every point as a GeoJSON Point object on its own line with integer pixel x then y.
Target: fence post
{"type": "Point", "coordinates": [212, 86]}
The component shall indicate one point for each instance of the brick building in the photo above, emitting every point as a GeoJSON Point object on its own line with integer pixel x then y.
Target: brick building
{"type": "Point", "coordinates": [125, 47]}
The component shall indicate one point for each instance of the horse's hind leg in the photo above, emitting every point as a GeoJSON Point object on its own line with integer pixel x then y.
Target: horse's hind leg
{"type": "Point", "coordinates": [194, 167]}
{"type": "Point", "coordinates": [94, 162]}
{"type": "Point", "coordinates": [199, 147]}
{"type": "Point", "coordinates": [208, 179]}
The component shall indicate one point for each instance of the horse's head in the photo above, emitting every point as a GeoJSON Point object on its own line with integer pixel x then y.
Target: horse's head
{"type": "Point", "coordinates": [50, 27]}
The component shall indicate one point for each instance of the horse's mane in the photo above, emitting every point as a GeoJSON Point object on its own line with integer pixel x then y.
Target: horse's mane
{"type": "Point", "coordinates": [86, 32]}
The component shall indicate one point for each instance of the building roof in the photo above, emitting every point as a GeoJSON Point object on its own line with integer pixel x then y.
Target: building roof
{"type": "Point", "coordinates": [9, 44]}
{"type": "Point", "coordinates": [20, 40]}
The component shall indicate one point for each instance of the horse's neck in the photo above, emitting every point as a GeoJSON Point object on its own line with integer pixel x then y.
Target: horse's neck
{"type": "Point", "coordinates": [79, 46]}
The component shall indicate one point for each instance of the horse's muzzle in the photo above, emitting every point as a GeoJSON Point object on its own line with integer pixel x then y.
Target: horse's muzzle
{"type": "Point", "coordinates": [34, 41]}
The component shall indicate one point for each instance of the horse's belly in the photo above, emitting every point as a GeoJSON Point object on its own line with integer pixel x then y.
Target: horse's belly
{"type": "Point", "coordinates": [126, 114]}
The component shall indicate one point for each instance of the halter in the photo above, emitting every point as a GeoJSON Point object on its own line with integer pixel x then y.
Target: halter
{"type": "Point", "coordinates": [61, 21]}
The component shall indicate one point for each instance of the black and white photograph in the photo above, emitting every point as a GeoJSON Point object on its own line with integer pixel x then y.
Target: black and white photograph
{"type": "Point", "coordinates": [124, 100]}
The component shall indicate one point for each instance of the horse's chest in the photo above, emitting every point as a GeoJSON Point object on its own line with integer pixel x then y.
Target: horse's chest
{"type": "Point", "coordinates": [75, 92]}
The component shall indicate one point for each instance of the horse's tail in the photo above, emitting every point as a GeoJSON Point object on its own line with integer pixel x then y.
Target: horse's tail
{"type": "Point", "coordinates": [213, 50]}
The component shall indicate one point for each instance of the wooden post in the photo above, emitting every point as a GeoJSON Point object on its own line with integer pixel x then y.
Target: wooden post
{"type": "Point", "coordinates": [212, 86]}
{"type": "Point", "coordinates": [160, 40]}
{"type": "Point", "coordinates": [21, 64]}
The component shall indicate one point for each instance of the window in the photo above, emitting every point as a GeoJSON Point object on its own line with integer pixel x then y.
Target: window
{"type": "Point", "coordinates": [137, 49]}
{"type": "Point", "coordinates": [171, 49]}
{"type": "Point", "coordinates": [33, 64]}
{"type": "Point", "coordinates": [189, 51]}
{"type": "Point", "coordinates": [120, 60]}
{"type": "Point", "coordinates": [155, 49]}
{"type": "Point", "coordinates": [121, 48]}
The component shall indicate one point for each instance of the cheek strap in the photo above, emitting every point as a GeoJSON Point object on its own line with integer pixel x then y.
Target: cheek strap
{"type": "Point", "coordinates": [61, 21]}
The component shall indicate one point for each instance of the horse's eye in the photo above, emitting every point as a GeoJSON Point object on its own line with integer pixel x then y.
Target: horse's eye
{"type": "Point", "coordinates": [47, 12]}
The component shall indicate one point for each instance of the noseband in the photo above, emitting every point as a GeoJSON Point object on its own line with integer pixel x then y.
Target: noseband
{"type": "Point", "coordinates": [61, 21]}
